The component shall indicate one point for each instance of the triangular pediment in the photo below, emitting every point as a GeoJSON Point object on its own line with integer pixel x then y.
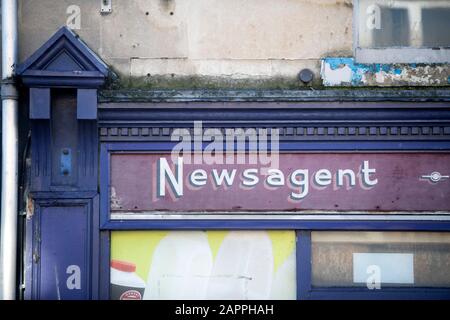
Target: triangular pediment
{"type": "Point", "coordinates": [64, 60]}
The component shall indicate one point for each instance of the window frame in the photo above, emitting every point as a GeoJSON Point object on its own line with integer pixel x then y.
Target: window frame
{"type": "Point", "coordinates": [305, 290]}
{"type": "Point", "coordinates": [303, 228]}
{"type": "Point", "coordinates": [394, 54]}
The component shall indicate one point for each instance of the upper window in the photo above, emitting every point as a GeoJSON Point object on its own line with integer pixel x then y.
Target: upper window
{"type": "Point", "coordinates": [402, 31]}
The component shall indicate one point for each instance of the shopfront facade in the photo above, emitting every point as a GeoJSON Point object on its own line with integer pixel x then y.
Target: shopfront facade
{"type": "Point", "coordinates": [312, 193]}
{"type": "Point", "coordinates": [318, 198]}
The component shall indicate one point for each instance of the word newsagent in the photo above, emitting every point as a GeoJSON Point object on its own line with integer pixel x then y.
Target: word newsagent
{"type": "Point", "coordinates": [298, 180]}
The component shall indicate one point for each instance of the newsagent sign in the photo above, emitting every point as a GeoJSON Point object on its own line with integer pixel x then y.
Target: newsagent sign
{"type": "Point", "coordinates": [148, 184]}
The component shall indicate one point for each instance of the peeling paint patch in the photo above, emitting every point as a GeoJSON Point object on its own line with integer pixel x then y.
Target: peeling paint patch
{"type": "Point", "coordinates": [29, 207]}
{"type": "Point", "coordinates": [116, 202]}
{"type": "Point", "coordinates": [336, 73]}
{"type": "Point", "coordinates": [345, 72]}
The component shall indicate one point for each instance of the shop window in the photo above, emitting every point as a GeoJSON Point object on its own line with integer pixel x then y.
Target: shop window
{"type": "Point", "coordinates": [436, 27]}
{"type": "Point", "coordinates": [199, 265]}
{"type": "Point", "coordinates": [391, 259]}
{"type": "Point", "coordinates": [402, 31]}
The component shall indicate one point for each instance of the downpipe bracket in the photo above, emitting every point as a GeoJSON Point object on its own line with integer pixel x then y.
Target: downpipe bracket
{"type": "Point", "coordinates": [9, 90]}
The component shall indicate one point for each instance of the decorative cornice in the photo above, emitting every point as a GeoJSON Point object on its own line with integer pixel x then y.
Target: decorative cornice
{"type": "Point", "coordinates": [328, 121]}
{"type": "Point", "coordinates": [302, 133]}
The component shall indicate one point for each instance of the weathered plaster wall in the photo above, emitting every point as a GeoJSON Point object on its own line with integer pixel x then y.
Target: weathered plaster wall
{"type": "Point", "coordinates": [204, 43]}
{"type": "Point", "coordinates": [228, 39]}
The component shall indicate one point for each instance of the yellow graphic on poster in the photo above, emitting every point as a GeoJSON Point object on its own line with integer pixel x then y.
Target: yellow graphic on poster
{"type": "Point", "coordinates": [203, 265]}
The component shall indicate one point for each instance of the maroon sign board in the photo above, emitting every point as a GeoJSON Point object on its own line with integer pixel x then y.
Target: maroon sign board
{"type": "Point", "coordinates": [145, 183]}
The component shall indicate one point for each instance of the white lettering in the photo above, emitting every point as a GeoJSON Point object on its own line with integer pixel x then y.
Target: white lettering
{"type": "Point", "coordinates": [213, 152]}
{"type": "Point", "coordinates": [74, 279]}
{"type": "Point", "coordinates": [182, 148]}
{"type": "Point", "coordinates": [322, 177]}
{"type": "Point", "coordinates": [171, 176]}
{"type": "Point", "coordinates": [373, 17]}
{"type": "Point", "coordinates": [374, 279]}
{"type": "Point", "coordinates": [198, 178]}
{"type": "Point", "coordinates": [275, 178]}
{"type": "Point", "coordinates": [224, 176]}
{"type": "Point", "coordinates": [302, 183]}
{"type": "Point", "coordinates": [176, 184]}
{"type": "Point", "coordinates": [351, 177]}
{"type": "Point", "coordinates": [366, 175]}
{"type": "Point", "coordinates": [250, 178]}
{"type": "Point", "coordinates": [74, 19]}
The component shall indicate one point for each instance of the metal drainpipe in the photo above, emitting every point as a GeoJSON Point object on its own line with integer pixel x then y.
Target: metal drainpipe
{"type": "Point", "coordinates": [10, 151]}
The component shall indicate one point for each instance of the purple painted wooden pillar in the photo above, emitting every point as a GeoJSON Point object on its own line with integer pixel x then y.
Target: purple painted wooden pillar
{"type": "Point", "coordinates": [62, 232]}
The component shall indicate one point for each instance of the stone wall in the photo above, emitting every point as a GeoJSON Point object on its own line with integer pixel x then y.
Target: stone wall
{"type": "Point", "coordinates": [207, 43]}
